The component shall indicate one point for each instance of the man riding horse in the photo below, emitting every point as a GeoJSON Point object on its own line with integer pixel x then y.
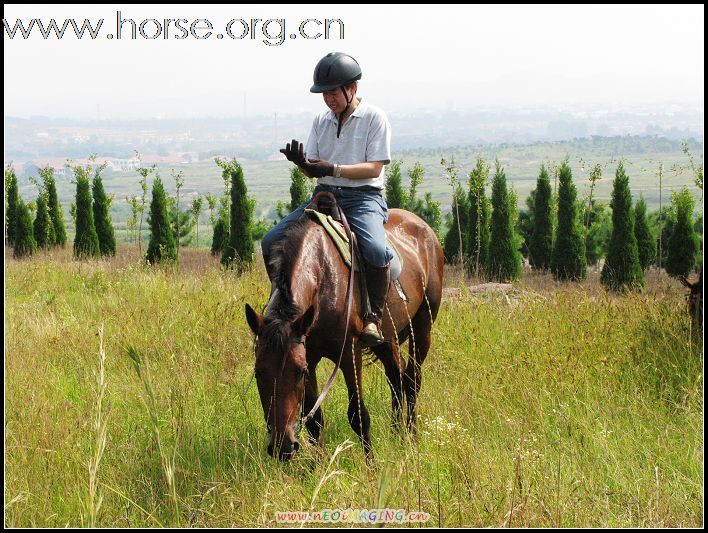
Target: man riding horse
{"type": "Point", "coordinates": [348, 146]}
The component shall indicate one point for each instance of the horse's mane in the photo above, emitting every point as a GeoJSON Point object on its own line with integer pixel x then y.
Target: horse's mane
{"type": "Point", "coordinates": [283, 310]}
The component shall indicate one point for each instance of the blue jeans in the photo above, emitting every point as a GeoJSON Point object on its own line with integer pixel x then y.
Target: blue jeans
{"type": "Point", "coordinates": [366, 211]}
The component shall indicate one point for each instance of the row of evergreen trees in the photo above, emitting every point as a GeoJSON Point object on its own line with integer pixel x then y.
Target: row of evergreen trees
{"type": "Point", "coordinates": [483, 234]}
{"type": "Point", "coordinates": [47, 230]}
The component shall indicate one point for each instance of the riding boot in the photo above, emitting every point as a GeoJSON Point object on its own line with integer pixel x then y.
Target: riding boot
{"type": "Point", "coordinates": [377, 281]}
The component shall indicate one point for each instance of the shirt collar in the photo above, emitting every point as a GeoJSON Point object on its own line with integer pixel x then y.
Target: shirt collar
{"type": "Point", "coordinates": [358, 112]}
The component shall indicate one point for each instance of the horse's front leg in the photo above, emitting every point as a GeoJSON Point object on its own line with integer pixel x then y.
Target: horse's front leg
{"type": "Point", "coordinates": [316, 423]}
{"type": "Point", "coordinates": [357, 412]}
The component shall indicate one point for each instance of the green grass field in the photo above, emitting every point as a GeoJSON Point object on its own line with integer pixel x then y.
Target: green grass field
{"type": "Point", "coordinates": [560, 406]}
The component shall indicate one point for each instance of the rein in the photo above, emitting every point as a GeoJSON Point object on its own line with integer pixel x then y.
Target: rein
{"type": "Point", "coordinates": [350, 298]}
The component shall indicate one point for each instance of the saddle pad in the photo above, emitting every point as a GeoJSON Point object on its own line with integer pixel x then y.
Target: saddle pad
{"type": "Point", "coordinates": [336, 231]}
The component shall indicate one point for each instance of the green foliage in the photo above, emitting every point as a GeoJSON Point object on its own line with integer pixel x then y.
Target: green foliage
{"type": "Point", "coordinates": [196, 210]}
{"type": "Point", "coordinates": [504, 261]}
{"type": "Point", "coordinates": [541, 240]}
{"type": "Point", "coordinates": [451, 247]}
{"type": "Point", "coordinates": [394, 193]}
{"type": "Point", "coordinates": [597, 238]}
{"type": "Point", "coordinates": [55, 210]}
{"type": "Point", "coordinates": [220, 236]}
{"type": "Point", "coordinates": [683, 242]}
{"type": "Point", "coordinates": [427, 209]}
{"type": "Point", "coordinates": [43, 228]}
{"type": "Point", "coordinates": [524, 226]}
{"type": "Point", "coordinates": [646, 242]}
{"type": "Point", "coordinates": [182, 225]}
{"type": "Point", "coordinates": [260, 228]}
{"type": "Point", "coordinates": [430, 211]}
{"type": "Point", "coordinates": [239, 251]}
{"type": "Point", "coordinates": [622, 269]}
{"type": "Point", "coordinates": [86, 240]}
{"type": "Point", "coordinates": [697, 171]}
{"type": "Point", "coordinates": [13, 198]}
{"type": "Point", "coordinates": [299, 190]}
{"type": "Point", "coordinates": [131, 224]}
{"type": "Point", "coordinates": [144, 173]}
{"type": "Point", "coordinates": [162, 242]}
{"type": "Point", "coordinates": [24, 244]}
{"type": "Point", "coordinates": [568, 256]}
{"type": "Point", "coordinates": [456, 239]}
{"type": "Point", "coordinates": [415, 175]}
{"type": "Point", "coordinates": [479, 217]}
{"type": "Point", "coordinates": [102, 219]}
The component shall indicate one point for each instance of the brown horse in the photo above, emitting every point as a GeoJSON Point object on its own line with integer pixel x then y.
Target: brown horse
{"type": "Point", "coordinates": [695, 299]}
{"type": "Point", "coordinates": [305, 320]}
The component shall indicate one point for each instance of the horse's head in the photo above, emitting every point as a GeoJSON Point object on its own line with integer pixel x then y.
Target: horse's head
{"type": "Point", "coordinates": [695, 298]}
{"type": "Point", "coordinates": [281, 371]}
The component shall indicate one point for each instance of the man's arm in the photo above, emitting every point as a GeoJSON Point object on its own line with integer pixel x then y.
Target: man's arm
{"type": "Point", "coordinates": [359, 171]}
{"type": "Point", "coordinates": [362, 171]}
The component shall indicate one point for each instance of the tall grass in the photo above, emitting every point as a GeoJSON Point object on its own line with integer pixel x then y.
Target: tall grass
{"type": "Point", "coordinates": [559, 405]}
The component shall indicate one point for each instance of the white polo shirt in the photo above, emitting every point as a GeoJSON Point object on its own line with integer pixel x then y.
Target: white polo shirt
{"type": "Point", "coordinates": [365, 136]}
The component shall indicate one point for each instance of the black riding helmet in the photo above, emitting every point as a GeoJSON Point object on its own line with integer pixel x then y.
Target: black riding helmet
{"type": "Point", "coordinates": [336, 69]}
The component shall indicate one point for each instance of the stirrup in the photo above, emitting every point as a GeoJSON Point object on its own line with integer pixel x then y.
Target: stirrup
{"type": "Point", "coordinates": [371, 336]}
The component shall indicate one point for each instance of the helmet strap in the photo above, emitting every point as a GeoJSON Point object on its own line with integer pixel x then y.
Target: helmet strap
{"type": "Point", "coordinates": [341, 115]}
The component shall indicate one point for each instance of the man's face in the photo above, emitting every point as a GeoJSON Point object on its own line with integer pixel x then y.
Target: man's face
{"type": "Point", "coordinates": [335, 100]}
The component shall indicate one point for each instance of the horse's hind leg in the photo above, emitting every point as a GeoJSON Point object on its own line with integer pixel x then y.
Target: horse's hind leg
{"type": "Point", "coordinates": [357, 413]}
{"type": "Point", "coordinates": [418, 346]}
{"type": "Point", "coordinates": [394, 366]}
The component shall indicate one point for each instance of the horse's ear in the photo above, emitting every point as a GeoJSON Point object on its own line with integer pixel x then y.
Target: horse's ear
{"type": "Point", "coordinates": [255, 321]}
{"type": "Point", "coordinates": [303, 325]}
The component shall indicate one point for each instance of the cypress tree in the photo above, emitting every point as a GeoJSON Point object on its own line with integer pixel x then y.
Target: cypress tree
{"type": "Point", "coordinates": [541, 242]}
{"type": "Point", "coordinates": [646, 243]}
{"type": "Point", "coordinates": [298, 188]}
{"type": "Point", "coordinates": [162, 242]}
{"type": "Point", "coordinates": [182, 223]}
{"type": "Point", "coordinates": [240, 249]}
{"type": "Point", "coordinates": [13, 199]}
{"type": "Point", "coordinates": [56, 212]}
{"type": "Point", "coordinates": [568, 255]}
{"type": "Point", "coordinates": [43, 229]}
{"type": "Point", "coordinates": [221, 234]}
{"type": "Point", "coordinates": [86, 239]}
{"type": "Point", "coordinates": [395, 195]}
{"type": "Point", "coordinates": [452, 238]}
{"type": "Point", "coordinates": [504, 261]}
{"type": "Point", "coordinates": [622, 269]}
{"type": "Point", "coordinates": [102, 219]}
{"type": "Point", "coordinates": [24, 244]}
{"type": "Point", "coordinates": [683, 243]}
{"type": "Point", "coordinates": [478, 232]}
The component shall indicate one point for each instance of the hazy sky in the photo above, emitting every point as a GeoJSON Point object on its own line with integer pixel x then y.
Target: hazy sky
{"type": "Point", "coordinates": [414, 57]}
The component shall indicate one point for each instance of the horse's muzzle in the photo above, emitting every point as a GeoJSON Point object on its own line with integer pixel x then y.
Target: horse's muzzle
{"type": "Point", "coordinates": [287, 450]}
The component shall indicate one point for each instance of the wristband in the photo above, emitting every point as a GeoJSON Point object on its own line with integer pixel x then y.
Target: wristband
{"type": "Point", "coordinates": [337, 171]}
